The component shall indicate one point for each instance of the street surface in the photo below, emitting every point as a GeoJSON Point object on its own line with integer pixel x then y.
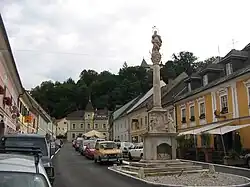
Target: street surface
{"type": "Point", "coordinates": [74, 170]}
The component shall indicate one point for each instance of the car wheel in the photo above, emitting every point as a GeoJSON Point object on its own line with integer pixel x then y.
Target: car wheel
{"type": "Point", "coordinates": [100, 160]}
{"type": "Point", "coordinates": [248, 162]}
{"type": "Point", "coordinates": [141, 155]}
{"type": "Point", "coordinates": [95, 160]}
{"type": "Point", "coordinates": [130, 157]}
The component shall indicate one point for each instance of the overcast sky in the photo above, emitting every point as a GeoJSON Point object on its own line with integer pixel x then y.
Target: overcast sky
{"type": "Point", "coordinates": [57, 39]}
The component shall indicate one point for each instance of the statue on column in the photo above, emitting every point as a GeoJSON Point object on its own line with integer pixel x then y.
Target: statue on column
{"type": "Point", "coordinates": [157, 42]}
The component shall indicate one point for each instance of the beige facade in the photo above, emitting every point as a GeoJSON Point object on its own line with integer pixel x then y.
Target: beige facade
{"type": "Point", "coordinates": [81, 122]}
{"type": "Point", "coordinates": [62, 127]}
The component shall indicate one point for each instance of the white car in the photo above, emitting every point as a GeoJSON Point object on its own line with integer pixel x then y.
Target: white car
{"type": "Point", "coordinates": [20, 170]}
{"type": "Point", "coordinates": [136, 152]}
{"type": "Point", "coordinates": [124, 147]}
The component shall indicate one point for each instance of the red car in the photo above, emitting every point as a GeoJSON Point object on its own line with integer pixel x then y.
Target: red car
{"type": "Point", "coordinates": [90, 150]}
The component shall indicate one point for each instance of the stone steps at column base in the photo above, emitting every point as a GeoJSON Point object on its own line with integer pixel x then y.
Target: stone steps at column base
{"type": "Point", "coordinates": [162, 169]}
{"type": "Point", "coordinates": [163, 173]}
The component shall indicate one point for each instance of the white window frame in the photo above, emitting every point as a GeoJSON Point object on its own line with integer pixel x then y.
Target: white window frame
{"type": "Point", "coordinates": [222, 92]}
{"type": "Point", "coordinates": [183, 107]}
{"type": "Point", "coordinates": [205, 80]}
{"type": "Point", "coordinates": [229, 68]}
{"type": "Point", "coordinates": [190, 106]}
{"type": "Point", "coordinates": [247, 85]}
{"type": "Point", "coordinates": [192, 123]}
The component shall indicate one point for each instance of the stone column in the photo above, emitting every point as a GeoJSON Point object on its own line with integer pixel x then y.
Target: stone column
{"type": "Point", "coordinates": [156, 86]}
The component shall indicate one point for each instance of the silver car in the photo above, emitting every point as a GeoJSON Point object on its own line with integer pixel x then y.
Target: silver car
{"type": "Point", "coordinates": [22, 170]}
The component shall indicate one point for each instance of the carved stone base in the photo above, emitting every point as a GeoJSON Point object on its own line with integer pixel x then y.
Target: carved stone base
{"type": "Point", "coordinates": [159, 145]}
{"type": "Point", "coordinates": [157, 120]}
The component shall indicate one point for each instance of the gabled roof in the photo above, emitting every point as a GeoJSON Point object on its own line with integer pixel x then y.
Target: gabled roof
{"type": "Point", "coordinates": [79, 114]}
{"type": "Point", "coordinates": [145, 97]}
{"type": "Point", "coordinates": [120, 111]}
{"type": "Point", "coordinates": [221, 80]}
{"type": "Point", "coordinates": [167, 91]}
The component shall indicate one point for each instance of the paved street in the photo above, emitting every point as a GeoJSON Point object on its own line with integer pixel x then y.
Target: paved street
{"type": "Point", "coordinates": [75, 170]}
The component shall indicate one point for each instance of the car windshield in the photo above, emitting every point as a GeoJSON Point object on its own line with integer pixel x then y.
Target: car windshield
{"type": "Point", "coordinates": [108, 145]}
{"type": "Point", "coordinates": [91, 145]}
{"type": "Point", "coordinates": [127, 144]}
{"type": "Point", "coordinates": [29, 142]}
{"type": "Point", "coordinates": [18, 179]}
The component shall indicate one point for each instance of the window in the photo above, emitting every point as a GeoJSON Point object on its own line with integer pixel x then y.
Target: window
{"type": "Point", "coordinates": [183, 115]}
{"type": "Point", "coordinates": [205, 80]}
{"type": "Point", "coordinates": [88, 126]}
{"type": "Point", "coordinates": [73, 126]}
{"type": "Point", "coordinates": [104, 126]}
{"type": "Point", "coordinates": [189, 87]}
{"type": "Point", "coordinates": [146, 120]}
{"type": "Point", "coordinates": [81, 126]}
{"type": "Point", "coordinates": [73, 135]}
{"type": "Point", "coordinates": [191, 113]}
{"type": "Point", "coordinates": [96, 126]}
{"type": "Point", "coordinates": [202, 108]}
{"type": "Point", "coordinates": [229, 68]}
{"type": "Point", "coordinates": [141, 122]}
{"type": "Point", "coordinates": [223, 102]}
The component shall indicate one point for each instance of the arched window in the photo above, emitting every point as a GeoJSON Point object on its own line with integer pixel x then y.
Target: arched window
{"type": "Point", "coordinates": [73, 135]}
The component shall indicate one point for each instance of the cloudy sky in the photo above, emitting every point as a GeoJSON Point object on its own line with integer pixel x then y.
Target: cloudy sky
{"type": "Point", "coordinates": [57, 39]}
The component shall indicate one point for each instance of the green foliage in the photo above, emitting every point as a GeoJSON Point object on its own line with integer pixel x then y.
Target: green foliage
{"type": "Point", "coordinates": [107, 89]}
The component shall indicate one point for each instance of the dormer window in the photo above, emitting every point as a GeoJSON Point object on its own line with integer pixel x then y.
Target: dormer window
{"type": "Point", "coordinates": [189, 87]}
{"type": "Point", "coordinates": [205, 80]}
{"type": "Point", "coordinates": [229, 68]}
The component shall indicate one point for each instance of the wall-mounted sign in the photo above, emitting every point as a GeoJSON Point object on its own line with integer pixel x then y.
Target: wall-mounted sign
{"type": "Point", "coordinates": [27, 119]}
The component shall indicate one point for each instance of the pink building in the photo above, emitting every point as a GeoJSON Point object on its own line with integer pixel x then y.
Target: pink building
{"type": "Point", "coordinates": [10, 85]}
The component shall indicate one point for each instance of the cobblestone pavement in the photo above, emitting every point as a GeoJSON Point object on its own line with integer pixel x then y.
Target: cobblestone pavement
{"type": "Point", "coordinates": [74, 170]}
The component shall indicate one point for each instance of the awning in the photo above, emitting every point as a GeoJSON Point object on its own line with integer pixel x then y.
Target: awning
{"type": "Point", "coordinates": [226, 129]}
{"type": "Point", "coordinates": [204, 129]}
{"type": "Point", "coordinates": [94, 133]}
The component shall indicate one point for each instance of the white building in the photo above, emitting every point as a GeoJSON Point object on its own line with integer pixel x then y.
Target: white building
{"type": "Point", "coordinates": [121, 122]}
{"type": "Point", "coordinates": [62, 127]}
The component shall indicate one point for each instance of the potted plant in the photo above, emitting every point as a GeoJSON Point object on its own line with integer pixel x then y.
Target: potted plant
{"type": "Point", "coordinates": [192, 118]}
{"type": "Point", "coordinates": [202, 116]}
{"type": "Point", "coordinates": [224, 110]}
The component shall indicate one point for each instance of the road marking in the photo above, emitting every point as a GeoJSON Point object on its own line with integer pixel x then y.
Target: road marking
{"type": "Point", "coordinates": [56, 151]}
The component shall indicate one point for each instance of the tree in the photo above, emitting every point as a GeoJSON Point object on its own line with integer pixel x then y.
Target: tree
{"type": "Point", "coordinates": [107, 89]}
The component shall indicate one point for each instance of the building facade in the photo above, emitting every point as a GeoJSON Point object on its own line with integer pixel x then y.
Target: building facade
{"type": "Point", "coordinates": [10, 86]}
{"type": "Point", "coordinates": [61, 127]}
{"type": "Point", "coordinates": [216, 99]}
{"type": "Point", "coordinates": [82, 121]}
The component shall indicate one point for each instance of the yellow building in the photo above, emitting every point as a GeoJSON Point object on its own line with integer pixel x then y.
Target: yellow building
{"type": "Point", "coordinates": [216, 102]}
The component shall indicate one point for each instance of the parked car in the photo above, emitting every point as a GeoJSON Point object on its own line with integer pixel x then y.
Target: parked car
{"type": "Point", "coordinates": [74, 143]}
{"type": "Point", "coordinates": [32, 140]}
{"type": "Point", "coordinates": [136, 152]}
{"type": "Point", "coordinates": [22, 167]}
{"type": "Point", "coordinates": [79, 142]}
{"type": "Point", "coordinates": [124, 147]}
{"type": "Point", "coordinates": [90, 149]}
{"type": "Point", "coordinates": [107, 151]}
{"type": "Point", "coordinates": [82, 148]}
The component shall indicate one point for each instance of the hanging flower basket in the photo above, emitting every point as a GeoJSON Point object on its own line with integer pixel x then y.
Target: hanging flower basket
{"type": "Point", "coordinates": [7, 101]}
{"type": "Point", "coordinates": [1, 90]}
{"type": "Point", "coordinates": [13, 109]}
